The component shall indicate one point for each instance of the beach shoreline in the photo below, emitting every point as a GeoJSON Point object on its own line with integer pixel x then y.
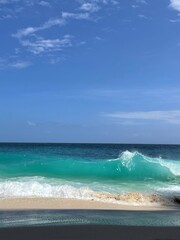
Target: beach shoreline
{"type": "Point", "coordinates": [55, 218]}
{"type": "Point", "coordinates": [60, 203]}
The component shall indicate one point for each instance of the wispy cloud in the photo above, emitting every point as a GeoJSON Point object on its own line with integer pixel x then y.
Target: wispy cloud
{"type": "Point", "coordinates": [174, 20]}
{"type": "Point", "coordinates": [29, 39]}
{"type": "Point", "coordinates": [78, 16]}
{"type": "Point", "coordinates": [8, 1]}
{"type": "Point", "coordinates": [11, 63]}
{"type": "Point", "coordinates": [105, 2]}
{"type": "Point", "coordinates": [44, 4]}
{"type": "Point", "coordinates": [138, 3]}
{"type": "Point", "coordinates": [141, 1]}
{"type": "Point", "coordinates": [90, 7]}
{"type": "Point", "coordinates": [31, 124]}
{"type": "Point", "coordinates": [143, 17]}
{"type": "Point", "coordinates": [47, 45]}
{"type": "Point", "coordinates": [175, 4]}
{"type": "Point", "coordinates": [135, 6]}
{"type": "Point", "coordinates": [31, 30]}
{"type": "Point", "coordinates": [25, 2]}
{"type": "Point", "coordinates": [56, 60]}
{"type": "Point", "coordinates": [20, 64]}
{"type": "Point", "coordinates": [172, 116]}
{"type": "Point", "coordinates": [12, 9]}
{"type": "Point", "coordinates": [37, 39]}
{"type": "Point", "coordinates": [98, 38]}
{"type": "Point", "coordinates": [113, 2]}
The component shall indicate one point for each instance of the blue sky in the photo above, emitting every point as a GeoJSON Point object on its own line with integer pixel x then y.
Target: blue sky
{"type": "Point", "coordinates": [90, 71]}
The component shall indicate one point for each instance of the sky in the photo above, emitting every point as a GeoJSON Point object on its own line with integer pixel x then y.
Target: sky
{"type": "Point", "coordinates": [89, 71]}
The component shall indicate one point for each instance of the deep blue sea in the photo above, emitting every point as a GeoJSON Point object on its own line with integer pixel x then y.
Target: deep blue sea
{"type": "Point", "coordinates": [86, 171]}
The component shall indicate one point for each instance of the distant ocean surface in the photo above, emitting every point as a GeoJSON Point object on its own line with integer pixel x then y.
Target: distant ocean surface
{"type": "Point", "coordinates": [86, 171]}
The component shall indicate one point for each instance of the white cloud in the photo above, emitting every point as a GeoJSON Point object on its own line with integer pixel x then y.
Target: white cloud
{"type": "Point", "coordinates": [90, 7]}
{"type": "Point", "coordinates": [35, 44]}
{"type": "Point", "coordinates": [143, 16]}
{"type": "Point", "coordinates": [56, 60]}
{"type": "Point", "coordinates": [82, 43]}
{"type": "Point", "coordinates": [15, 7]}
{"type": "Point", "coordinates": [25, 32]}
{"type": "Point", "coordinates": [31, 124]}
{"type": "Point", "coordinates": [47, 45]}
{"type": "Point", "coordinates": [138, 3]}
{"type": "Point", "coordinates": [175, 4]}
{"type": "Point", "coordinates": [4, 1]}
{"type": "Point", "coordinates": [31, 30]}
{"type": "Point", "coordinates": [135, 6]}
{"type": "Point", "coordinates": [141, 1]}
{"type": "Point", "coordinates": [20, 64]}
{"type": "Point", "coordinates": [101, 2]}
{"type": "Point", "coordinates": [44, 4]}
{"type": "Point", "coordinates": [165, 116]}
{"type": "Point", "coordinates": [78, 16]}
{"type": "Point", "coordinates": [114, 2]}
{"type": "Point", "coordinates": [174, 20]}
{"type": "Point", "coordinates": [31, 38]}
{"type": "Point", "coordinates": [11, 63]}
{"type": "Point", "coordinates": [25, 2]}
{"type": "Point", "coordinates": [98, 38]}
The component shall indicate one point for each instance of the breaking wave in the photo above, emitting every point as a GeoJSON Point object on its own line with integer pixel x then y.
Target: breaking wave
{"type": "Point", "coordinates": [128, 166]}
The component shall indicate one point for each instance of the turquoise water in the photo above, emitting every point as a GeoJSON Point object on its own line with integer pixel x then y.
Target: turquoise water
{"type": "Point", "coordinates": [81, 170]}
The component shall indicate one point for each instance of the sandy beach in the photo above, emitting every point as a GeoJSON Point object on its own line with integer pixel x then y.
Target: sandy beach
{"type": "Point", "coordinates": [57, 203]}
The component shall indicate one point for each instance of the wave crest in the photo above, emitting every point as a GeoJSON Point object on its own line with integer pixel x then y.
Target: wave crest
{"type": "Point", "coordinates": [140, 166]}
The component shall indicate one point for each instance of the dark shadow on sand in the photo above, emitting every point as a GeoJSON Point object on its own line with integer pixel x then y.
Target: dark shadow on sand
{"type": "Point", "coordinates": [89, 224]}
{"type": "Point", "coordinates": [90, 232]}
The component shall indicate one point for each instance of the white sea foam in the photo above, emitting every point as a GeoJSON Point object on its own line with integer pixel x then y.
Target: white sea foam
{"type": "Point", "coordinates": [174, 166]}
{"type": "Point", "coordinates": [51, 188]}
{"type": "Point", "coordinates": [38, 187]}
{"type": "Point", "coordinates": [127, 160]}
{"type": "Point", "coordinates": [171, 190]}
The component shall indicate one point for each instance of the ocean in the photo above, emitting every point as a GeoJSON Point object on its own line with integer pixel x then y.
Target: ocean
{"type": "Point", "coordinates": [121, 173]}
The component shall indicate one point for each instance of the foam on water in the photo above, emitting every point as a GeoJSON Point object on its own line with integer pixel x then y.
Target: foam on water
{"type": "Point", "coordinates": [50, 188]}
{"type": "Point", "coordinates": [40, 187]}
